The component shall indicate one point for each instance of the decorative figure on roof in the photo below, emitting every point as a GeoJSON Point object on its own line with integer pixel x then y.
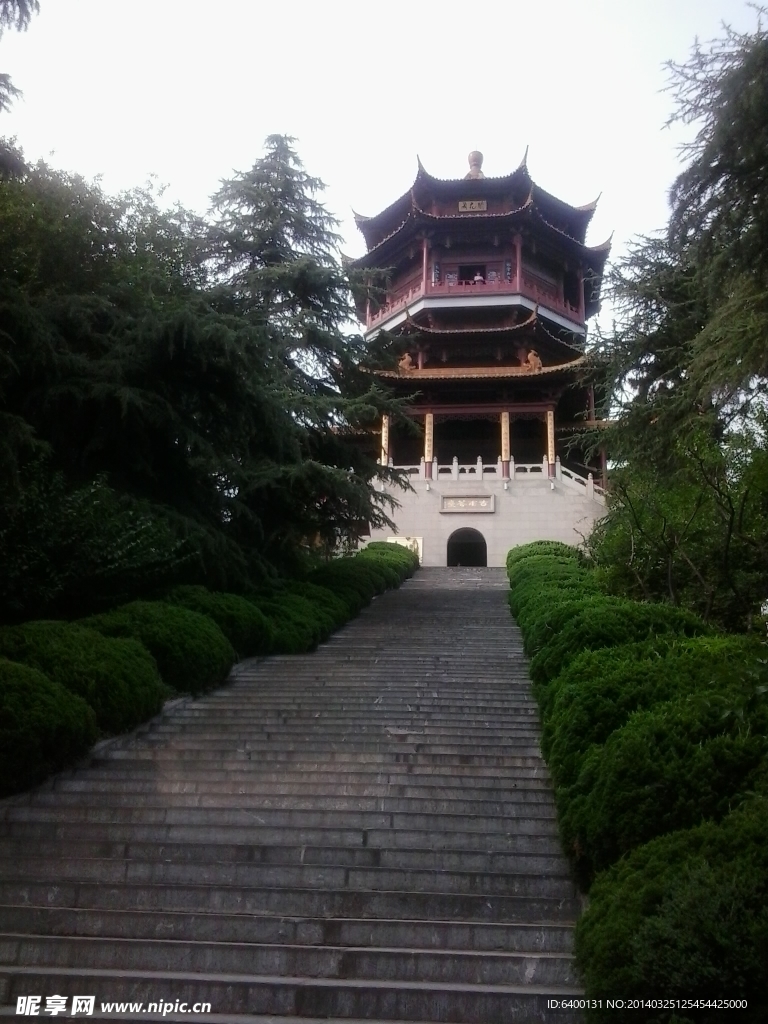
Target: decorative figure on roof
{"type": "Point", "coordinates": [406, 363]}
{"type": "Point", "coordinates": [475, 165]}
{"type": "Point", "coordinates": [533, 362]}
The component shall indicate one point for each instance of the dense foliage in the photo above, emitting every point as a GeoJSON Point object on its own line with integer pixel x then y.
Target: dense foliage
{"type": "Point", "coordinates": [686, 368]}
{"type": "Point", "coordinates": [181, 401]}
{"type": "Point", "coordinates": [191, 652]}
{"type": "Point", "coordinates": [43, 727]}
{"type": "Point", "coordinates": [242, 623]}
{"type": "Point", "coordinates": [117, 678]}
{"type": "Point", "coordinates": [684, 917]}
{"type": "Point", "coordinates": [655, 729]}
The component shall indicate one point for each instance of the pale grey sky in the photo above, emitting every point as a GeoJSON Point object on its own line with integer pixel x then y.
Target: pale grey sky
{"type": "Point", "coordinates": [189, 90]}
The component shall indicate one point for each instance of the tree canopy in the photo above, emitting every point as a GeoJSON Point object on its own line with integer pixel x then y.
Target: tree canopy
{"type": "Point", "coordinates": [196, 379]}
{"type": "Point", "coordinates": [687, 365]}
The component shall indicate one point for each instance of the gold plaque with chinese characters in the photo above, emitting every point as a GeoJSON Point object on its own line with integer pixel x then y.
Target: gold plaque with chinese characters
{"type": "Point", "coordinates": [467, 503]}
{"type": "Point", "coordinates": [472, 206]}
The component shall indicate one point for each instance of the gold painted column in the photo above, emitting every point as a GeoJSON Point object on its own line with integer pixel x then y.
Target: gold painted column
{"type": "Point", "coordinates": [505, 450]}
{"type": "Point", "coordinates": [385, 440]}
{"type": "Point", "coordinates": [551, 444]}
{"type": "Point", "coordinates": [429, 446]}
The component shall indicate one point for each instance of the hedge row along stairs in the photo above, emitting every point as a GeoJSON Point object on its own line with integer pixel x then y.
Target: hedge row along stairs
{"type": "Point", "coordinates": [363, 833]}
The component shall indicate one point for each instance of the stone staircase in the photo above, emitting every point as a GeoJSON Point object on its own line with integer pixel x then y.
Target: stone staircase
{"type": "Point", "coordinates": [363, 833]}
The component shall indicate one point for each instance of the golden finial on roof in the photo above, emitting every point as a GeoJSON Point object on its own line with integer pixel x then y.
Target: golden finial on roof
{"type": "Point", "coordinates": [475, 165]}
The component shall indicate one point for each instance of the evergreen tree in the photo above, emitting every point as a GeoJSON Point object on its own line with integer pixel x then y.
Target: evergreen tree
{"type": "Point", "coordinates": [278, 267]}
{"type": "Point", "coordinates": [13, 14]}
{"type": "Point", "coordinates": [687, 365]}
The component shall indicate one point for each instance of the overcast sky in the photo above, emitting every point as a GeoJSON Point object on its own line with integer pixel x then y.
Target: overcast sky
{"type": "Point", "coordinates": [189, 90]}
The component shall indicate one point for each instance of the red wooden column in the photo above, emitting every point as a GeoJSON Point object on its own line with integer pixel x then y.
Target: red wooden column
{"type": "Point", "coordinates": [424, 265]}
{"type": "Point", "coordinates": [505, 448]}
{"type": "Point", "coordinates": [518, 263]}
{"type": "Point", "coordinates": [551, 443]}
{"type": "Point", "coordinates": [581, 295]}
{"type": "Point", "coordinates": [429, 446]}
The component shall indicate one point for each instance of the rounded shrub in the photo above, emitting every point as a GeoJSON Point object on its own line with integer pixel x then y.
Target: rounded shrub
{"type": "Point", "coordinates": [334, 608]}
{"type": "Point", "coordinates": [599, 690]}
{"type": "Point", "coordinates": [117, 678]}
{"type": "Point", "coordinates": [298, 624]}
{"type": "Point", "coordinates": [402, 558]}
{"type": "Point", "coordinates": [669, 767]}
{"type": "Point", "coordinates": [607, 622]}
{"type": "Point", "coordinates": [685, 915]}
{"type": "Point", "coordinates": [242, 623]}
{"type": "Point", "coordinates": [341, 574]}
{"type": "Point", "coordinates": [540, 547]}
{"type": "Point", "coordinates": [43, 727]}
{"type": "Point", "coordinates": [384, 567]}
{"type": "Point", "coordinates": [192, 653]}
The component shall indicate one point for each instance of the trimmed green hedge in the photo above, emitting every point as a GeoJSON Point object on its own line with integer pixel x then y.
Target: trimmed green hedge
{"type": "Point", "coordinates": [298, 624]}
{"type": "Point", "coordinates": [242, 623]}
{"type": "Point", "coordinates": [684, 916]}
{"type": "Point", "coordinates": [192, 653]}
{"type": "Point", "coordinates": [599, 690]}
{"type": "Point", "coordinates": [117, 678]}
{"type": "Point", "coordinates": [541, 547]}
{"type": "Point", "coordinates": [305, 613]}
{"type": "Point", "coordinates": [606, 622]}
{"type": "Point", "coordinates": [652, 724]}
{"type": "Point", "coordinates": [43, 727]}
{"type": "Point", "coordinates": [670, 767]}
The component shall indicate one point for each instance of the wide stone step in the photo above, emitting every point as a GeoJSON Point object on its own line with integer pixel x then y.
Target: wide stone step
{"type": "Point", "coordinates": [328, 961]}
{"type": "Point", "coordinates": [411, 732]}
{"type": "Point", "coordinates": [524, 758]}
{"type": "Point", "coordinates": [394, 773]}
{"type": "Point", "coordinates": [484, 798]}
{"type": "Point", "coordinates": [92, 778]}
{"type": "Point", "coordinates": [212, 927]}
{"type": "Point", "coordinates": [363, 833]}
{"type": "Point", "coordinates": [14, 851]}
{"type": "Point", "coordinates": [540, 823]}
{"type": "Point", "coordinates": [516, 806]}
{"type": "Point", "coordinates": [410, 741]}
{"type": "Point", "coordinates": [445, 1003]}
{"type": "Point", "coordinates": [314, 876]}
{"type": "Point", "coordinates": [245, 836]}
{"type": "Point", "coordinates": [273, 902]}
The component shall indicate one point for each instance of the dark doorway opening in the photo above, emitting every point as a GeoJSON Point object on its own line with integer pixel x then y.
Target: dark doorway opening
{"type": "Point", "coordinates": [472, 273]}
{"type": "Point", "coordinates": [467, 547]}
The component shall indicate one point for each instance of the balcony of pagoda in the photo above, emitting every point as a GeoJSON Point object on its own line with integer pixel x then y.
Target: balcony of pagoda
{"type": "Point", "coordinates": [530, 291]}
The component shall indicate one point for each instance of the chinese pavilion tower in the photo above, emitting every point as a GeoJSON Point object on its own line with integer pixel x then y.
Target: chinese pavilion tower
{"type": "Point", "coordinates": [490, 286]}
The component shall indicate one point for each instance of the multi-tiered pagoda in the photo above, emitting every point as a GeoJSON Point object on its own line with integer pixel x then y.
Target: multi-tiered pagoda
{"type": "Point", "coordinates": [491, 284]}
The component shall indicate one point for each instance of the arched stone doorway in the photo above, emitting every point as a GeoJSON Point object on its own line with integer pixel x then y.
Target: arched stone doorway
{"type": "Point", "coordinates": [467, 547]}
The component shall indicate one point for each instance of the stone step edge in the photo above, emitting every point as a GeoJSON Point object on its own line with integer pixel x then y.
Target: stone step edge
{"type": "Point", "coordinates": [462, 922]}
{"type": "Point", "coordinates": [95, 940]}
{"type": "Point", "coordinates": [283, 980]}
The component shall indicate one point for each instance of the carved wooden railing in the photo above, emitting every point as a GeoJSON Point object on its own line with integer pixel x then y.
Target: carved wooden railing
{"type": "Point", "coordinates": [542, 291]}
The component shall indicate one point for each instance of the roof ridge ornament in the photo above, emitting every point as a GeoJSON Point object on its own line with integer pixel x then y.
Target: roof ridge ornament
{"type": "Point", "coordinates": [475, 165]}
{"type": "Point", "coordinates": [523, 165]}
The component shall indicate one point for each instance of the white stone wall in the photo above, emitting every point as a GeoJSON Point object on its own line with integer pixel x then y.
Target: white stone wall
{"type": "Point", "coordinates": [529, 509]}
